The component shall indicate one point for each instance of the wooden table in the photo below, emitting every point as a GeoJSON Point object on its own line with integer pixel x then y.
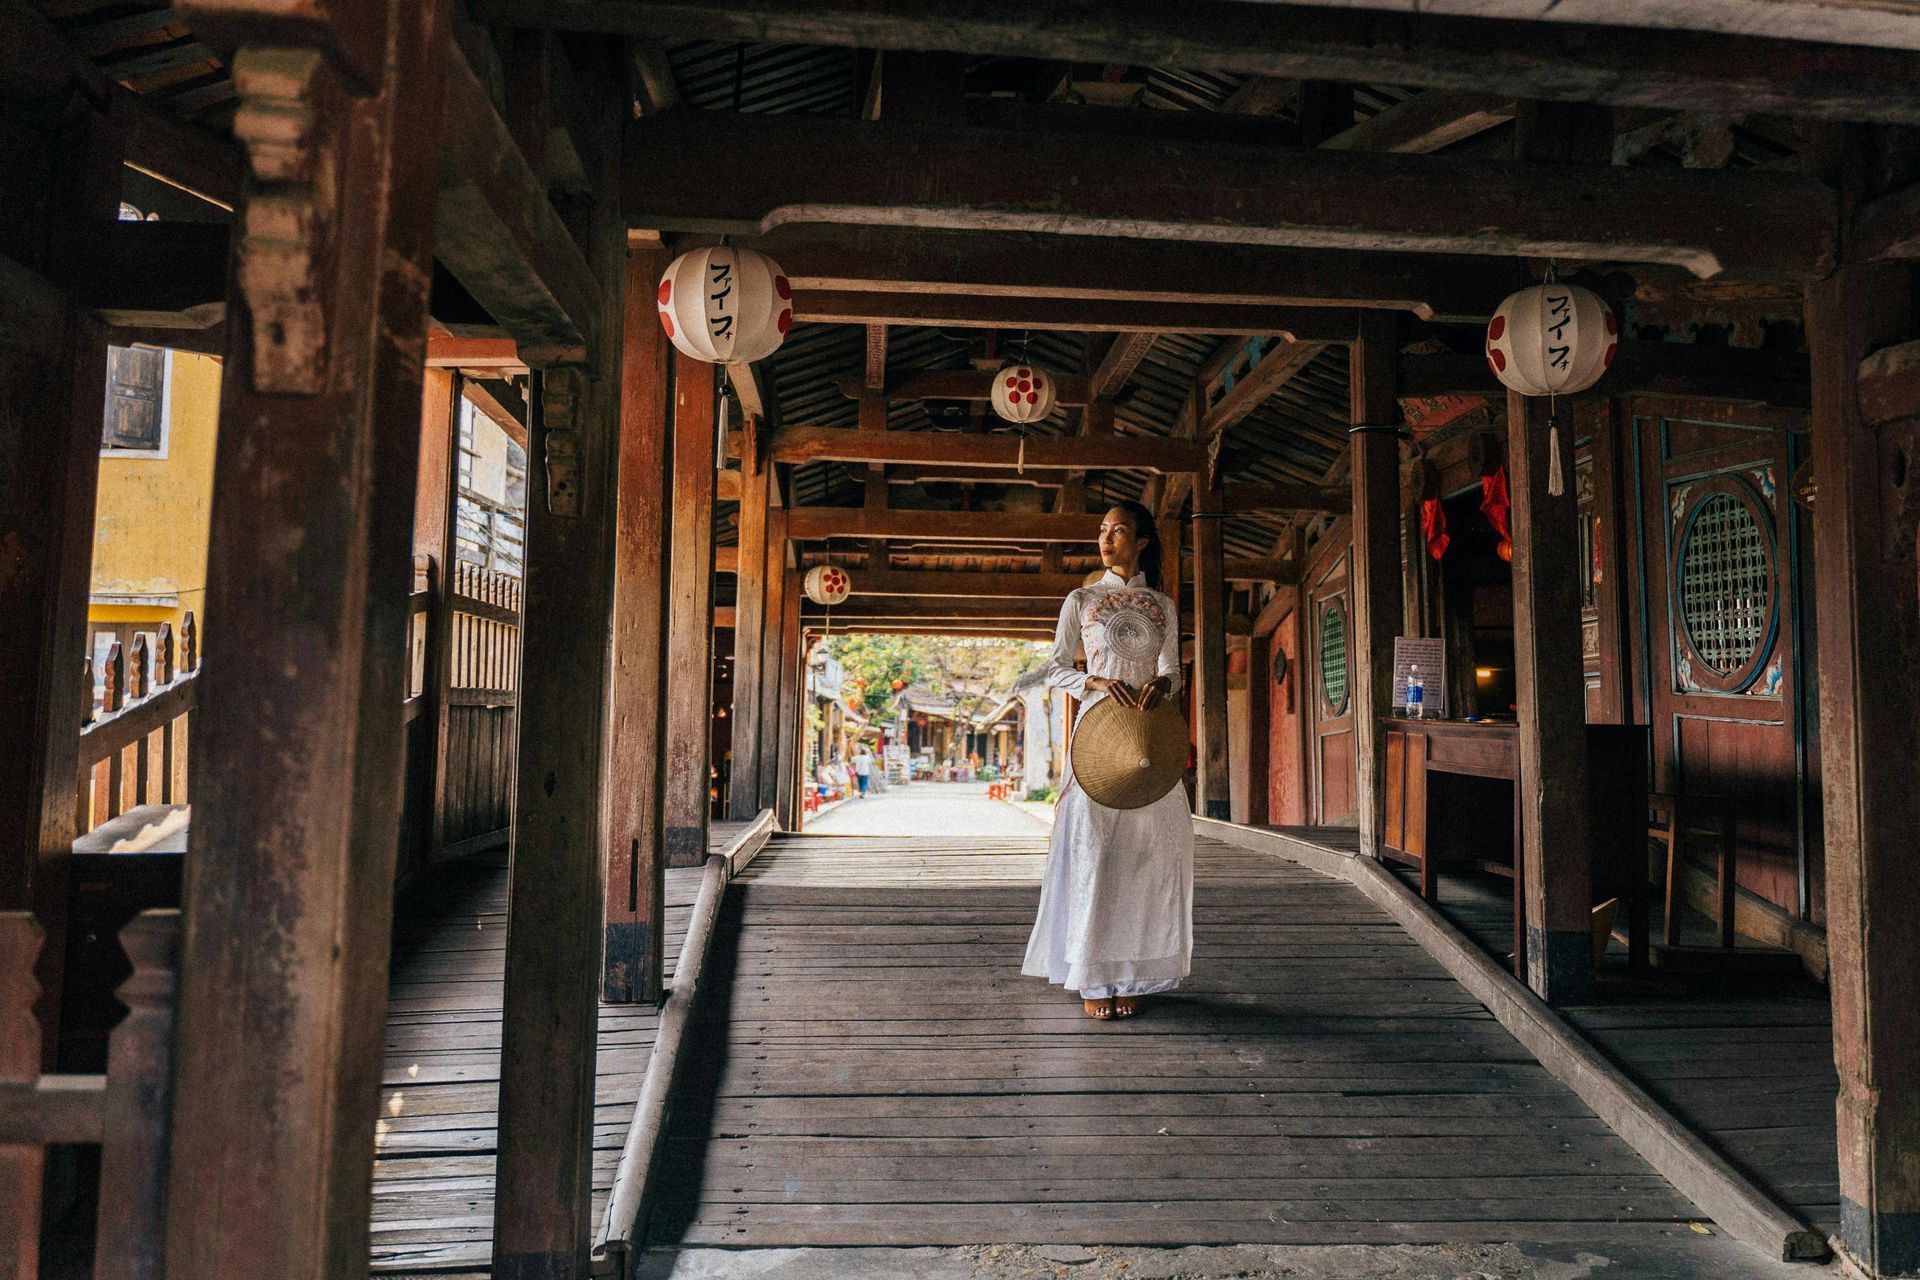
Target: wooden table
{"type": "Point", "coordinates": [1480, 749]}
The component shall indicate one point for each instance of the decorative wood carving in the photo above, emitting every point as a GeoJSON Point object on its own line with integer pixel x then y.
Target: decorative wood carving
{"type": "Point", "coordinates": [289, 104]}
{"type": "Point", "coordinates": [562, 402]}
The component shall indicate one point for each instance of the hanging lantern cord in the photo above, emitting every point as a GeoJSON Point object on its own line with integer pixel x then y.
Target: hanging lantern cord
{"type": "Point", "coordinates": [1556, 481]}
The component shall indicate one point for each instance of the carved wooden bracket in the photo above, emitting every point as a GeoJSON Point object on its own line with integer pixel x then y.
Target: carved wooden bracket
{"type": "Point", "coordinates": [291, 110]}
{"type": "Point", "coordinates": [563, 403]}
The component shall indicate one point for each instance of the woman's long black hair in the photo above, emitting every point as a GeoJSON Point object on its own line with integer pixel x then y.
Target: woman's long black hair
{"type": "Point", "coordinates": [1145, 533]}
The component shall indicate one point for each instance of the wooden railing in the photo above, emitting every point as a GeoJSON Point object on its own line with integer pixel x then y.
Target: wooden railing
{"type": "Point", "coordinates": [482, 688]}
{"type": "Point", "coordinates": [133, 751]}
{"type": "Point", "coordinates": [124, 1112]}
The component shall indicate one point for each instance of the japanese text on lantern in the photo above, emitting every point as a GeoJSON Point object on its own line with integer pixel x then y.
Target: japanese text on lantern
{"type": "Point", "coordinates": [1560, 308]}
{"type": "Point", "coordinates": [718, 318]}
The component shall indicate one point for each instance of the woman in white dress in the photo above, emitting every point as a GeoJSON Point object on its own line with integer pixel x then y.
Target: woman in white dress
{"type": "Point", "coordinates": [1116, 907]}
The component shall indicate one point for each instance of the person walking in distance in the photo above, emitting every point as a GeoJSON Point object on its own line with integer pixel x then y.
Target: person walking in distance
{"type": "Point", "coordinates": [863, 767]}
{"type": "Point", "coordinates": [1116, 905]}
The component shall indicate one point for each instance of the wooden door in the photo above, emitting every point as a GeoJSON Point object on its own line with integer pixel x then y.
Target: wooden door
{"type": "Point", "coordinates": [1719, 606]}
{"type": "Point", "coordinates": [1604, 648]}
{"type": "Point", "coordinates": [1329, 687]}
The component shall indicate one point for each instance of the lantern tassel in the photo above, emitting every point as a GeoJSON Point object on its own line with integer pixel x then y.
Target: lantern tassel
{"type": "Point", "coordinates": [1556, 481]}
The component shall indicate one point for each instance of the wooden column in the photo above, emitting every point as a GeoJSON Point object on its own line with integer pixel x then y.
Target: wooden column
{"type": "Point", "coordinates": [1260, 727]}
{"type": "Point", "coordinates": [749, 626]}
{"type": "Point", "coordinates": [690, 620]}
{"type": "Point", "coordinates": [1376, 560]}
{"type": "Point", "coordinates": [1864, 519]}
{"type": "Point", "coordinates": [1213, 794]}
{"type": "Point", "coordinates": [542, 1227]}
{"type": "Point", "coordinates": [772, 667]}
{"type": "Point", "coordinates": [435, 521]}
{"type": "Point", "coordinates": [632, 956]}
{"type": "Point", "coordinates": [52, 386]}
{"type": "Point", "coordinates": [790, 720]}
{"type": "Point", "coordinates": [1555, 823]}
{"type": "Point", "coordinates": [297, 755]}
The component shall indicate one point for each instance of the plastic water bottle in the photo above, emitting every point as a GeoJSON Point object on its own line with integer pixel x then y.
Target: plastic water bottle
{"type": "Point", "coordinates": [1416, 695]}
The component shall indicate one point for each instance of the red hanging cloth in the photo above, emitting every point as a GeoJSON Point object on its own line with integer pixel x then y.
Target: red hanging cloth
{"type": "Point", "coordinates": [1433, 517]}
{"type": "Point", "coordinates": [1497, 505]}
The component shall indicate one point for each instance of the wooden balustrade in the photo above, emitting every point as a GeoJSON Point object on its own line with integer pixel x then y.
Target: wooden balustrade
{"type": "Point", "coordinates": [124, 1112]}
{"type": "Point", "coordinates": [133, 751]}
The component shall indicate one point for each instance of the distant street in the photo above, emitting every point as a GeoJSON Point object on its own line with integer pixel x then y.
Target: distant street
{"type": "Point", "coordinates": [927, 809]}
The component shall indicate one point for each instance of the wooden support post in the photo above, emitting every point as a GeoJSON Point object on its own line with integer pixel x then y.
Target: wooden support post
{"type": "Point", "coordinates": [690, 617]}
{"type": "Point", "coordinates": [1260, 727]}
{"type": "Point", "coordinates": [52, 379]}
{"type": "Point", "coordinates": [786, 791]}
{"type": "Point", "coordinates": [773, 622]}
{"type": "Point", "coordinates": [632, 958]}
{"type": "Point", "coordinates": [1555, 856]}
{"type": "Point", "coordinates": [1213, 797]}
{"type": "Point", "coordinates": [750, 599]}
{"type": "Point", "coordinates": [1864, 572]}
{"type": "Point", "coordinates": [297, 754]}
{"type": "Point", "coordinates": [436, 517]}
{"type": "Point", "coordinates": [542, 1227]}
{"type": "Point", "coordinates": [1376, 561]}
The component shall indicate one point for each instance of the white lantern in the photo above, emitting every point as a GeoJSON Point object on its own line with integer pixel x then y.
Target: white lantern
{"type": "Point", "coordinates": [1552, 339]}
{"type": "Point", "coordinates": [1549, 340]}
{"type": "Point", "coordinates": [828, 584]}
{"type": "Point", "coordinates": [725, 305]}
{"type": "Point", "coordinates": [1023, 393]}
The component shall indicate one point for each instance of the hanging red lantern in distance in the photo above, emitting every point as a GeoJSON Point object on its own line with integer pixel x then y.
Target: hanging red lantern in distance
{"type": "Point", "coordinates": [1023, 393]}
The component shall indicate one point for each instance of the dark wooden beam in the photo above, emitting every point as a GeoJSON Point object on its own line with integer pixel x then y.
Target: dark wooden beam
{"type": "Point", "coordinates": [158, 274]}
{"type": "Point", "coordinates": [960, 311]}
{"type": "Point", "coordinates": [998, 630]}
{"type": "Point", "coordinates": [845, 259]}
{"type": "Point", "coordinates": [999, 451]}
{"type": "Point", "coordinates": [969, 384]}
{"type": "Point", "coordinates": [1667, 368]}
{"type": "Point", "coordinates": [1274, 370]}
{"type": "Point", "coordinates": [813, 524]}
{"type": "Point", "coordinates": [1043, 609]}
{"type": "Point", "coordinates": [1279, 570]}
{"type": "Point", "coordinates": [781, 585]}
{"type": "Point", "coordinates": [690, 616]}
{"type": "Point", "coordinates": [750, 616]}
{"type": "Point", "coordinates": [1122, 357]}
{"type": "Point", "coordinates": [1426, 122]}
{"type": "Point", "coordinates": [1213, 788]}
{"type": "Point", "coordinates": [296, 766]}
{"type": "Point", "coordinates": [793, 168]}
{"type": "Point", "coordinates": [632, 952]}
{"type": "Point", "coordinates": [499, 234]}
{"type": "Point", "coordinates": [1251, 498]}
{"type": "Point", "coordinates": [876, 371]}
{"type": "Point", "coordinates": [958, 584]}
{"type": "Point", "coordinates": [1564, 61]}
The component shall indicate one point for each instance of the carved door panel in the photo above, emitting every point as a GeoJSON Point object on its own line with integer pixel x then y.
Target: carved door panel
{"type": "Point", "coordinates": [1327, 685]}
{"type": "Point", "coordinates": [1604, 647]}
{"type": "Point", "coordinates": [1720, 590]}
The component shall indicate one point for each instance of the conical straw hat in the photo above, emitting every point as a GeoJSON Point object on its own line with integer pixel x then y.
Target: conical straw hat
{"type": "Point", "coordinates": [1125, 758]}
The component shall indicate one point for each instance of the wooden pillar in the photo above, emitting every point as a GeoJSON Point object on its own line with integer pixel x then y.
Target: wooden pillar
{"type": "Point", "coordinates": [749, 626]}
{"type": "Point", "coordinates": [1864, 520]}
{"type": "Point", "coordinates": [1260, 727]}
{"type": "Point", "coordinates": [690, 622]}
{"type": "Point", "coordinates": [542, 1227]}
{"type": "Point", "coordinates": [1556, 822]}
{"type": "Point", "coordinates": [792, 689]}
{"type": "Point", "coordinates": [297, 756]}
{"type": "Point", "coordinates": [435, 520]}
{"type": "Point", "coordinates": [632, 956]}
{"type": "Point", "coordinates": [52, 390]}
{"type": "Point", "coordinates": [1213, 795]}
{"type": "Point", "coordinates": [1376, 560]}
{"type": "Point", "coordinates": [772, 632]}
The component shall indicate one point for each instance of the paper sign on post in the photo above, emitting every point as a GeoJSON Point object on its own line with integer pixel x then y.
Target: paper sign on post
{"type": "Point", "coordinates": [1429, 653]}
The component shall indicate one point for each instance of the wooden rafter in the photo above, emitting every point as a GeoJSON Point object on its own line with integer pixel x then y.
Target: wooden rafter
{"type": "Point", "coordinates": [1253, 498]}
{"type": "Point", "coordinates": [1267, 375]}
{"type": "Point", "coordinates": [995, 452]}
{"type": "Point", "coordinates": [959, 311]}
{"type": "Point", "coordinates": [930, 584]}
{"type": "Point", "coordinates": [1562, 61]}
{"type": "Point", "coordinates": [1426, 122]}
{"type": "Point", "coordinates": [965, 384]}
{"type": "Point", "coordinates": [814, 524]}
{"type": "Point", "coordinates": [876, 379]}
{"type": "Point", "coordinates": [794, 168]}
{"type": "Point", "coordinates": [1123, 356]}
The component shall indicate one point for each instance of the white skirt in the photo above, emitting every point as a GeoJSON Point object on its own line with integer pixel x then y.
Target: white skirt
{"type": "Point", "coordinates": [1116, 906]}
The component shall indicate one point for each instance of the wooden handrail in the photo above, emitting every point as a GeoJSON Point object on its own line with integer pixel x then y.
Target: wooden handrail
{"type": "Point", "coordinates": [123, 728]}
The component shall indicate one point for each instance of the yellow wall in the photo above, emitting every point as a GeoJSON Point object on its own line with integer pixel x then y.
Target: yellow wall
{"type": "Point", "coordinates": [150, 537]}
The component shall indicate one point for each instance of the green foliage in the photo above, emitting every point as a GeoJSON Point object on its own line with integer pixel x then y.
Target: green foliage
{"type": "Point", "coordinates": [975, 673]}
{"type": "Point", "coordinates": [1041, 794]}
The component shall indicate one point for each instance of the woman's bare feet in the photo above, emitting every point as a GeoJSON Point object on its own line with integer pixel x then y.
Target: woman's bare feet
{"type": "Point", "coordinates": [1125, 1006]}
{"type": "Point", "coordinates": [1101, 1009]}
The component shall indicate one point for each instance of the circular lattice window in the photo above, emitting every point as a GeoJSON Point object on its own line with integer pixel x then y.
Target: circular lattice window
{"type": "Point", "coordinates": [1333, 657]}
{"type": "Point", "coordinates": [1724, 586]}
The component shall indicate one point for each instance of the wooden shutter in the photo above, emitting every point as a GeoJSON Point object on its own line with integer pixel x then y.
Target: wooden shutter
{"type": "Point", "coordinates": [134, 387]}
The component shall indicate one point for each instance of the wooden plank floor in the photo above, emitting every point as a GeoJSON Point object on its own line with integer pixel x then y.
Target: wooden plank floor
{"type": "Point", "coordinates": [433, 1171]}
{"type": "Point", "coordinates": [1747, 1063]}
{"type": "Point", "coordinates": [871, 1069]}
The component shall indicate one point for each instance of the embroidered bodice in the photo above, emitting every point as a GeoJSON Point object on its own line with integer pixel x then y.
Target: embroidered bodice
{"type": "Point", "coordinates": [1129, 631]}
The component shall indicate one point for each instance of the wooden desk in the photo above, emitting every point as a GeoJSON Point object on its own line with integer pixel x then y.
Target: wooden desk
{"type": "Point", "coordinates": [1616, 773]}
{"type": "Point", "coordinates": [1417, 748]}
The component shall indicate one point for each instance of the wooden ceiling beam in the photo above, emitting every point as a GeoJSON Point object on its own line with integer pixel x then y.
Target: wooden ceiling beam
{"type": "Point", "coordinates": [1262, 497]}
{"type": "Point", "coordinates": [843, 259]}
{"type": "Point", "coordinates": [790, 169]}
{"type": "Point", "coordinates": [963, 584]}
{"type": "Point", "coordinates": [959, 311]}
{"type": "Point", "coordinates": [955, 608]}
{"type": "Point", "coordinates": [1280, 571]}
{"type": "Point", "coordinates": [995, 630]}
{"type": "Point", "coordinates": [815, 524]}
{"type": "Point", "coordinates": [1426, 122]}
{"type": "Point", "coordinates": [967, 384]}
{"type": "Point", "coordinates": [1673, 368]}
{"type": "Point", "coordinates": [1275, 369]}
{"type": "Point", "coordinates": [1621, 65]}
{"type": "Point", "coordinates": [1004, 452]}
{"type": "Point", "coordinates": [876, 379]}
{"type": "Point", "coordinates": [1122, 357]}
